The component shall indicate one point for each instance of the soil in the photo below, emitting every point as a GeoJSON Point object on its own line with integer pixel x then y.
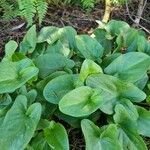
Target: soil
{"type": "Point", "coordinates": [82, 21]}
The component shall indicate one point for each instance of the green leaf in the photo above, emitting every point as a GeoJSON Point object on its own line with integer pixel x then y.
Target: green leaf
{"type": "Point", "coordinates": [72, 121]}
{"type": "Point", "coordinates": [101, 37]}
{"type": "Point", "coordinates": [141, 83]}
{"type": "Point", "coordinates": [10, 48]}
{"type": "Point", "coordinates": [48, 109]}
{"type": "Point", "coordinates": [31, 95]}
{"type": "Point", "coordinates": [89, 67]}
{"type": "Point", "coordinates": [143, 122]}
{"type": "Point", "coordinates": [58, 87]}
{"type": "Point", "coordinates": [130, 108]}
{"type": "Point", "coordinates": [98, 139]}
{"type": "Point", "coordinates": [128, 135]}
{"type": "Point", "coordinates": [17, 56]}
{"type": "Point", "coordinates": [113, 90]}
{"type": "Point", "coordinates": [89, 47]}
{"type": "Point", "coordinates": [15, 74]}
{"type": "Point", "coordinates": [143, 45]}
{"type": "Point", "coordinates": [43, 123]}
{"type": "Point", "coordinates": [148, 99]}
{"type": "Point", "coordinates": [19, 124]}
{"type": "Point", "coordinates": [59, 48]}
{"type": "Point", "coordinates": [109, 59]}
{"type": "Point", "coordinates": [67, 37]}
{"type": "Point", "coordinates": [40, 143]}
{"type": "Point", "coordinates": [129, 67]}
{"type": "Point", "coordinates": [133, 41]}
{"type": "Point", "coordinates": [50, 63]}
{"type": "Point", "coordinates": [56, 136]}
{"type": "Point", "coordinates": [116, 27]}
{"type": "Point", "coordinates": [52, 34]}
{"type": "Point", "coordinates": [29, 41]}
{"type": "Point", "coordinates": [5, 103]}
{"type": "Point", "coordinates": [42, 83]}
{"type": "Point", "coordinates": [128, 40]}
{"type": "Point", "coordinates": [46, 33]}
{"type": "Point", "coordinates": [39, 50]}
{"type": "Point", "coordinates": [81, 101]}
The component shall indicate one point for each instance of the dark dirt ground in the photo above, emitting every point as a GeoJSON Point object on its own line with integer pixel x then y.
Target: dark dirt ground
{"type": "Point", "coordinates": [83, 22]}
{"type": "Point", "coordinates": [74, 16]}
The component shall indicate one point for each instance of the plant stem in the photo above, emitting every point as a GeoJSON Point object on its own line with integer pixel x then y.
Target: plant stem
{"type": "Point", "coordinates": [107, 11]}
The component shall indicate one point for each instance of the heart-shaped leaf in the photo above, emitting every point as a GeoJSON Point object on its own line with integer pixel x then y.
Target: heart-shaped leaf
{"type": "Point", "coordinates": [129, 67]}
{"type": "Point", "coordinates": [143, 122]}
{"type": "Point", "coordinates": [56, 136]}
{"type": "Point", "coordinates": [53, 34]}
{"type": "Point", "coordinates": [141, 83]}
{"type": "Point", "coordinates": [46, 33]}
{"type": "Point", "coordinates": [59, 48]}
{"type": "Point", "coordinates": [10, 48]}
{"type": "Point", "coordinates": [113, 90]}
{"type": "Point", "coordinates": [101, 37]}
{"type": "Point", "coordinates": [5, 103]}
{"type": "Point", "coordinates": [130, 108]}
{"type": "Point", "coordinates": [143, 45]}
{"type": "Point", "coordinates": [89, 47]}
{"type": "Point", "coordinates": [98, 139]}
{"type": "Point", "coordinates": [81, 101]}
{"type": "Point", "coordinates": [128, 40]}
{"type": "Point", "coordinates": [49, 63]}
{"type": "Point", "coordinates": [40, 143]}
{"type": "Point", "coordinates": [58, 87]}
{"type": "Point", "coordinates": [89, 67]}
{"type": "Point", "coordinates": [15, 74]}
{"type": "Point", "coordinates": [19, 124]}
{"type": "Point", "coordinates": [128, 135]}
{"type": "Point", "coordinates": [116, 27]}
{"type": "Point", "coordinates": [29, 41]}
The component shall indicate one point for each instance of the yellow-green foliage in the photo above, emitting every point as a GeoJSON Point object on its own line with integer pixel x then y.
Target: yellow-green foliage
{"type": "Point", "coordinates": [30, 8]}
{"type": "Point", "coordinates": [8, 9]}
{"type": "Point", "coordinates": [58, 2]}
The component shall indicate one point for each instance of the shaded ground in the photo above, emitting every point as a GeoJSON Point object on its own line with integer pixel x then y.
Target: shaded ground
{"type": "Point", "coordinates": [74, 16]}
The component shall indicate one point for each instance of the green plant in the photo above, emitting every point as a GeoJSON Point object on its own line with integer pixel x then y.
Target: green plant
{"type": "Point", "coordinates": [79, 80]}
{"type": "Point", "coordinates": [8, 9]}
{"type": "Point", "coordinates": [24, 8]}
{"type": "Point", "coordinates": [30, 8]}
{"type": "Point", "coordinates": [59, 2]}
{"type": "Point", "coordinates": [88, 4]}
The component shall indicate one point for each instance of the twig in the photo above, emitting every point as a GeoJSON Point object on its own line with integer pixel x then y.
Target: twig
{"type": "Point", "coordinates": [62, 22]}
{"type": "Point", "coordinates": [51, 23]}
{"type": "Point", "coordinates": [144, 4]}
{"type": "Point", "coordinates": [69, 23]}
{"type": "Point", "coordinates": [128, 12]}
{"type": "Point", "coordinates": [144, 29]}
{"type": "Point", "coordinates": [17, 27]}
{"type": "Point", "coordinates": [141, 7]}
{"type": "Point", "coordinates": [142, 19]}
